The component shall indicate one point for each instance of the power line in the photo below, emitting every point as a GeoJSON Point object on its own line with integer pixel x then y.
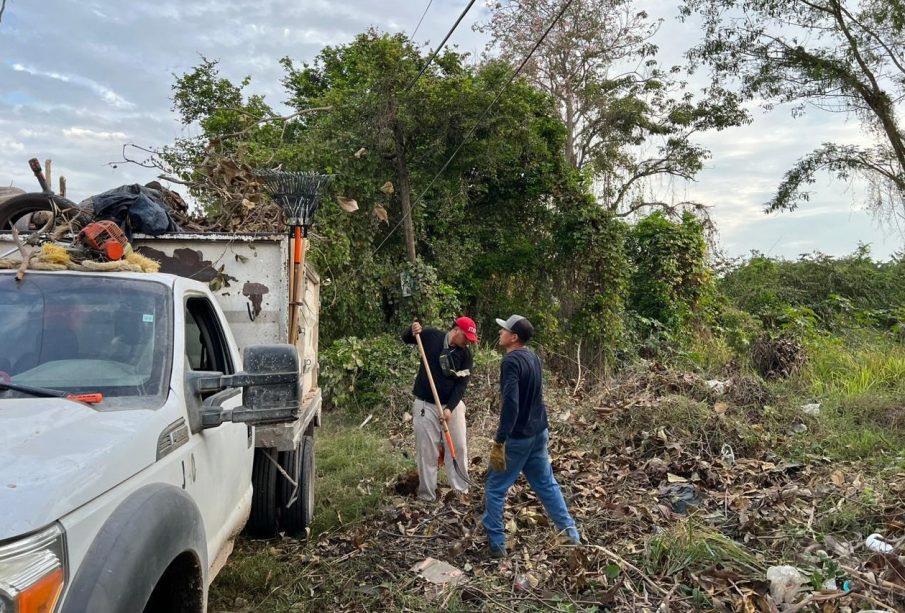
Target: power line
{"type": "Point", "coordinates": [437, 50]}
{"type": "Point", "coordinates": [419, 21]}
{"type": "Point", "coordinates": [474, 127]}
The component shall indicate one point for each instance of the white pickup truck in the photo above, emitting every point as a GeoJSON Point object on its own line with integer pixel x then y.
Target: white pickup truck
{"type": "Point", "coordinates": [132, 502]}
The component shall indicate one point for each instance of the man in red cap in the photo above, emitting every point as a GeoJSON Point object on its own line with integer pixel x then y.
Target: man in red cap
{"type": "Point", "coordinates": [450, 360]}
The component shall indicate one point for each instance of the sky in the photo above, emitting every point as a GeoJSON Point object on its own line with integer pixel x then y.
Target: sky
{"type": "Point", "coordinates": [78, 80]}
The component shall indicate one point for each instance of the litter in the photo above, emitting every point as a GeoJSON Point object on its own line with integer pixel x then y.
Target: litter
{"type": "Point", "coordinates": [134, 208]}
{"type": "Point", "coordinates": [785, 583]}
{"type": "Point", "coordinates": [877, 543]}
{"type": "Point", "coordinates": [680, 496]}
{"type": "Point", "coordinates": [716, 386]}
{"type": "Point", "coordinates": [812, 409]}
{"type": "Point", "coordinates": [438, 572]}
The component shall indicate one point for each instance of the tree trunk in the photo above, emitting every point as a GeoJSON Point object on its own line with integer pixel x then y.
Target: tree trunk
{"type": "Point", "coordinates": [405, 189]}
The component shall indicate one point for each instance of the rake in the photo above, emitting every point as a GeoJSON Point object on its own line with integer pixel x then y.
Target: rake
{"type": "Point", "coordinates": [299, 195]}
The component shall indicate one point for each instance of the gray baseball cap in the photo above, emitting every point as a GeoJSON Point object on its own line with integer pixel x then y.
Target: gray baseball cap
{"type": "Point", "coordinates": [518, 325]}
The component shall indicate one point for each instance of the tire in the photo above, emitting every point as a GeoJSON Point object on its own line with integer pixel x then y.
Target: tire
{"type": "Point", "coordinates": [14, 208]}
{"type": "Point", "coordinates": [300, 466]}
{"type": "Point", "coordinates": [262, 522]}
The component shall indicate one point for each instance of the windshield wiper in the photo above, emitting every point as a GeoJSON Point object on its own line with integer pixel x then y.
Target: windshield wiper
{"type": "Point", "coordinates": [37, 392]}
{"type": "Point", "coordinates": [44, 392]}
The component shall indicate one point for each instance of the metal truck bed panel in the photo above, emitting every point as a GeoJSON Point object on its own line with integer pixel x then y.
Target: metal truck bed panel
{"type": "Point", "coordinates": [248, 275]}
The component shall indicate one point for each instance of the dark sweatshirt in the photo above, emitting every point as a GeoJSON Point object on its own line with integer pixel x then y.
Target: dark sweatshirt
{"type": "Point", "coordinates": [450, 389]}
{"type": "Point", "coordinates": [523, 413]}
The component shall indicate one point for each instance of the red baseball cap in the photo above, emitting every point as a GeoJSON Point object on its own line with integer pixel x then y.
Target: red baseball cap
{"type": "Point", "coordinates": [466, 325]}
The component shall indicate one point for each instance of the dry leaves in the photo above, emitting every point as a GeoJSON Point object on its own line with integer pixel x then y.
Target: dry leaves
{"type": "Point", "coordinates": [349, 205]}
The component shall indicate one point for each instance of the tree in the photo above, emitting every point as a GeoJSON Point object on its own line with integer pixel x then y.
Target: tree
{"type": "Point", "coordinates": [627, 119]}
{"type": "Point", "coordinates": [482, 222]}
{"type": "Point", "coordinates": [833, 55]}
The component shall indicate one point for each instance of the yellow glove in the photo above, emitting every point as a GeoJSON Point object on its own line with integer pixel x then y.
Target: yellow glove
{"type": "Point", "coordinates": [498, 457]}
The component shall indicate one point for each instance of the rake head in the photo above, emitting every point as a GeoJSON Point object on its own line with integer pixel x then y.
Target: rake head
{"type": "Point", "coordinates": [297, 193]}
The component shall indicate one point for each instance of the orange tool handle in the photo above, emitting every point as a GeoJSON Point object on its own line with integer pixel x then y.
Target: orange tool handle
{"type": "Point", "coordinates": [452, 449]}
{"type": "Point", "coordinates": [298, 245]}
{"type": "Point", "coordinates": [86, 398]}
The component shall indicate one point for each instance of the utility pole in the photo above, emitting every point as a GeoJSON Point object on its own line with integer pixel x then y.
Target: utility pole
{"type": "Point", "coordinates": [403, 183]}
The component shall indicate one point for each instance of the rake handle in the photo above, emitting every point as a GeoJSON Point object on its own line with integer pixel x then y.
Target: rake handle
{"type": "Point", "coordinates": [296, 283]}
{"type": "Point", "coordinates": [430, 380]}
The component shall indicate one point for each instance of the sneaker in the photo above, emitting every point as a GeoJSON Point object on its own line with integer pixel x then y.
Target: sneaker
{"type": "Point", "coordinates": [498, 552]}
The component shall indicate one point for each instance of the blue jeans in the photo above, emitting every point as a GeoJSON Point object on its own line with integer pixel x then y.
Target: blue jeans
{"type": "Point", "coordinates": [528, 456]}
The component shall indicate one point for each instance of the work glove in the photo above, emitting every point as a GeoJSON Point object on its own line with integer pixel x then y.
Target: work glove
{"type": "Point", "coordinates": [498, 457]}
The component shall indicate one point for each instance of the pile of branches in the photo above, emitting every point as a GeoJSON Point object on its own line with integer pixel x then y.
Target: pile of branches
{"type": "Point", "coordinates": [777, 357]}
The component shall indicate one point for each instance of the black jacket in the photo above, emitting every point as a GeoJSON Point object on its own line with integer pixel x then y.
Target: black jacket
{"type": "Point", "coordinates": [450, 389]}
{"type": "Point", "coordinates": [523, 413]}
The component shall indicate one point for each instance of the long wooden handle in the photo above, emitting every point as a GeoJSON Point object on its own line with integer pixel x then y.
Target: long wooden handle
{"type": "Point", "coordinates": [430, 379]}
{"type": "Point", "coordinates": [298, 277]}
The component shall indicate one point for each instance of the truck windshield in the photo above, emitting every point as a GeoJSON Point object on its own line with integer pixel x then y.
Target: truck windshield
{"type": "Point", "coordinates": [86, 334]}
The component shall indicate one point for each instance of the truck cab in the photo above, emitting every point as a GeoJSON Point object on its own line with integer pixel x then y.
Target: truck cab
{"type": "Point", "coordinates": [131, 433]}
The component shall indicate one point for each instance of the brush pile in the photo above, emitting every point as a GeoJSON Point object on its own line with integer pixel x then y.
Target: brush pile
{"type": "Point", "coordinates": [682, 499]}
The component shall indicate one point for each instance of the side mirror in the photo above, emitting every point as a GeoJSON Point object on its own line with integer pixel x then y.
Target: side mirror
{"type": "Point", "coordinates": [270, 388]}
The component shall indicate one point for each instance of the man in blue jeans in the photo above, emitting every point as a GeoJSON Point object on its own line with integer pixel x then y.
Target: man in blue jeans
{"type": "Point", "coordinates": [520, 445]}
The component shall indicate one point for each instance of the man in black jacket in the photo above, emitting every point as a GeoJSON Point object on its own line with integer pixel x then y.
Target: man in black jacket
{"type": "Point", "coordinates": [450, 360]}
{"type": "Point", "coordinates": [520, 444]}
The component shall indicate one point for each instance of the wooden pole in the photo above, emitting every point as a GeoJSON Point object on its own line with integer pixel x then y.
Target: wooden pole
{"type": "Point", "coordinates": [63, 187]}
{"type": "Point", "coordinates": [48, 175]}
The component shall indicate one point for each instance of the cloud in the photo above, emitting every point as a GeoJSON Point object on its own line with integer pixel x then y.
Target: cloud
{"type": "Point", "coordinates": [107, 94]}
{"type": "Point", "coordinates": [86, 134]}
{"type": "Point", "coordinates": [11, 145]}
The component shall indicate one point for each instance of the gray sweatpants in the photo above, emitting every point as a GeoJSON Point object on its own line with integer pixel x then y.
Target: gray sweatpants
{"type": "Point", "coordinates": [428, 438]}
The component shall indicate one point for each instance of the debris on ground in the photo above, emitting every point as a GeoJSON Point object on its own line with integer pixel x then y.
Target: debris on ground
{"type": "Point", "coordinates": [438, 572]}
{"type": "Point", "coordinates": [680, 508]}
{"type": "Point", "coordinates": [812, 409]}
{"type": "Point", "coordinates": [785, 583]}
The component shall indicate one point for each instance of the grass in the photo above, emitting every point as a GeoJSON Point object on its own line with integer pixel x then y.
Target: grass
{"type": "Point", "coordinates": [691, 546]}
{"type": "Point", "coordinates": [837, 368]}
{"type": "Point", "coordinates": [353, 466]}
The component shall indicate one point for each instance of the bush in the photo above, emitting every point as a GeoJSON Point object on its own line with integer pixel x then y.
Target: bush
{"type": "Point", "coordinates": [671, 276]}
{"type": "Point", "coordinates": [361, 374]}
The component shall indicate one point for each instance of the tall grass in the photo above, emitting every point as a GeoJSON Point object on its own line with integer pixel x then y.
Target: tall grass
{"type": "Point", "coordinates": [860, 380]}
{"type": "Point", "coordinates": [839, 369]}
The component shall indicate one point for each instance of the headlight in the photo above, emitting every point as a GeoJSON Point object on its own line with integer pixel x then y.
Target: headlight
{"type": "Point", "coordinates": [33, 572]}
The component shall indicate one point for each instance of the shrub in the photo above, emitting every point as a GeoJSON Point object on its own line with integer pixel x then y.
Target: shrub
{"type": "Point", "coordinates": [360, 374]}
{"type": "Point", "coordinates": [671, 276]}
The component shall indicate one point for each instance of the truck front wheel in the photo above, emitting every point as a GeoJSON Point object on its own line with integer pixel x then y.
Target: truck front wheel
{"type": "Point", "coordinates": [299, 464]}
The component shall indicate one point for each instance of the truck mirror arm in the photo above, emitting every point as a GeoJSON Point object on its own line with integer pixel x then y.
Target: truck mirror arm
{"type": "Point", "coordinates": [217, 381]}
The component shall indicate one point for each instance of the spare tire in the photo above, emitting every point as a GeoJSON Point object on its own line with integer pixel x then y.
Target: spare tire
{"type": "Point", "coordinates": [17, 207]}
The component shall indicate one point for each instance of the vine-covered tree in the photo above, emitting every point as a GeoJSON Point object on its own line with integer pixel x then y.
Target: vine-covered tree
{"type": "Point", "coordinates": [628, 120]}
{"type": "Point", "coordinates": [843, 56]}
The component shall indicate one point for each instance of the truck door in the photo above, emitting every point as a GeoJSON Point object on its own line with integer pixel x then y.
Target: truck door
{"type": "Point", "coordinates": [218, 474]}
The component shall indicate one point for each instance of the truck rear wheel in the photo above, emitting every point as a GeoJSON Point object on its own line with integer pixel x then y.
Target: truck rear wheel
{"type": "Point", "coordinates": [299, 463]}
{"type": "Point", "coordinates": [263, 519]}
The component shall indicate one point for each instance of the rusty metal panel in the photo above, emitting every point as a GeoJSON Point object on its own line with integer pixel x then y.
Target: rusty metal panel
{"type": "Point", "coordinates": [248, 275]}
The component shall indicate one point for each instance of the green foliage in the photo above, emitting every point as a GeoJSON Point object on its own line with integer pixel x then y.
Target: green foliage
{"type": "Point", "coordinates": [360, 374]}
{"type": "Point", "coordinates": [671, 276]}
{"type": "Point", "coordinates": [593, 281]}
{"type": "Point", "coordinates": [819, 291]}
{"type": "Point", "coordinates": [432, 302]}
{"type": "Point", "coordinates": [486, 219]}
